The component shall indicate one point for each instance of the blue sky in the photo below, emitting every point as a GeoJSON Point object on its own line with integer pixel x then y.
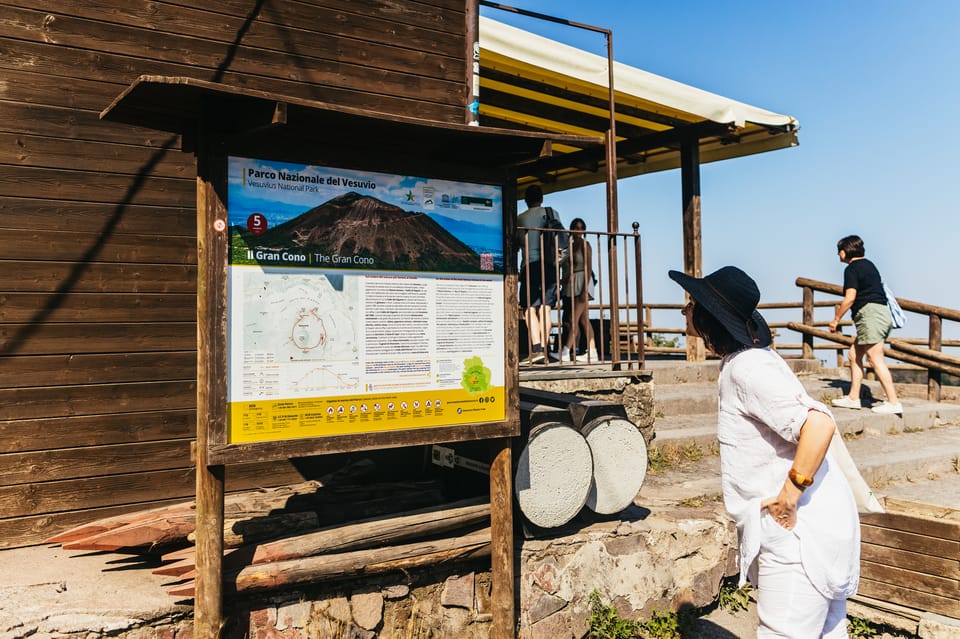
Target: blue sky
{"type": "Point", "coordinates": [875, 88]}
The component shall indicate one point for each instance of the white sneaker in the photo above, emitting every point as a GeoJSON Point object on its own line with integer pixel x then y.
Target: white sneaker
{"type": "Point", "coordinates": [846, 402]}
{"type": "Point", "coordinates": [888, 408]}
{"type": "Point", "coordinates": [565, 356]}
{"type": "Point", "coordinates": [592, 354]}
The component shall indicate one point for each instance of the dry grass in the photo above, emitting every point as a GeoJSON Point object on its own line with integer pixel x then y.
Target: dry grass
{"type": "Point", "coordinates": [661, 458]}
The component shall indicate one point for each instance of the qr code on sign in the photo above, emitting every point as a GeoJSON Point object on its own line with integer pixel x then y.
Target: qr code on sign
{"type": "Point", "coordinates": [486, 261]}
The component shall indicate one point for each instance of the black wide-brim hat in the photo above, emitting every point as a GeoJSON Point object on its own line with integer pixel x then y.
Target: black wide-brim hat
{"type": "Point", "coordinates": [731, 296]}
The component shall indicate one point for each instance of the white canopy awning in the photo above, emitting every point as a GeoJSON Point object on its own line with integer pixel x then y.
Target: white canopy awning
{"type": "Point", "coordinates": [531, 82]}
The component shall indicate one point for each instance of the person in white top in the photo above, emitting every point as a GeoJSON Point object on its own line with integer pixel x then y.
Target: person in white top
{"type": "Point", "coordinates": [795, 512]}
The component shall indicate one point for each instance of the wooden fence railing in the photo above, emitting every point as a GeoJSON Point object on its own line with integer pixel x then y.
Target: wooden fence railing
{"type": "Point", "coordinates": [923, 352]}
{"type": "Point", "coordinates": [930, 356]}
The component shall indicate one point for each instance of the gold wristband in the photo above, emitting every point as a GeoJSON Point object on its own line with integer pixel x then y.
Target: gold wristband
{"type": "Point", "coordinates": [800, 481]}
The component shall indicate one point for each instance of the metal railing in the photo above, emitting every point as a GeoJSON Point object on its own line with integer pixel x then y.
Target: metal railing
{"type": "Point", "coordinates": [616, 308]}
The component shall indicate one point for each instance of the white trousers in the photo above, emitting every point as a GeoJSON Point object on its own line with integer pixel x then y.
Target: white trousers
{"type": "Point", "coordinates": [787, 603]}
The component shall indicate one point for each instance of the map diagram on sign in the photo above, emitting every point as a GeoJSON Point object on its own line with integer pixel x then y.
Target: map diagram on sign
{"type": "Point", "coordinates": [302, 326]}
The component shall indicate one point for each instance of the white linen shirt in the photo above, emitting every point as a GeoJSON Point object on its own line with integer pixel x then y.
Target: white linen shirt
{"type": "Point", "coordinates": [762, 406]}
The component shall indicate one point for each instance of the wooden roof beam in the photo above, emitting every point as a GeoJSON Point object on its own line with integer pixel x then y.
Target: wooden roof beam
{"type": "Point", "coordinates": [631, 147]}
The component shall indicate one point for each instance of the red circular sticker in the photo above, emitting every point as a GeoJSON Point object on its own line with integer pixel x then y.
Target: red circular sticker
{"type": "Point", "coordinates": [219, 225]}
{"type": "Point", "coordinates": [257, 224]}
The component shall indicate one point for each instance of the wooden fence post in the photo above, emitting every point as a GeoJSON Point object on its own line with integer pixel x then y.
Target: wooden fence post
{"type": "Point", "coordinates": [808, 320]}
{"type": "Point", "coordinates": [934, 375]}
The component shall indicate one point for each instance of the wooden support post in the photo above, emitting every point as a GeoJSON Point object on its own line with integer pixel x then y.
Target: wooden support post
{"type": "Point", "coordinates": [692, 240]}
{"type": "Point", "coordinates": [934, 376]}
{"type": "Point", "coordinates": [501, 541]}
{"type": "Point", "coordinates": [808, 320]}
{"type": "Point", "coordinates": [211, 388]}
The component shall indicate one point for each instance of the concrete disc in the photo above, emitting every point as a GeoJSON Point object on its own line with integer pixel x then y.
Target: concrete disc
{"type": "Point", "coordinates": [554, 474]}
{"type": "Point", "coordinates": [619, 463]}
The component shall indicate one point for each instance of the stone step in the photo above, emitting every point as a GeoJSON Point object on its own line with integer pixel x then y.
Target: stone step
{"type": "Point", "coordinates": [908, 456]}
{"type": "Point", "coordinates": [701, 397]}
{"type": "Point", "coordinates": [941, 490]}
{"type": "Point", "coordinates": [918, 415]}
{"type": "Point", "coordinates": [921, 465]}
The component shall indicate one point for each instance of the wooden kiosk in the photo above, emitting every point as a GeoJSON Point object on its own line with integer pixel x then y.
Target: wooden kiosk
{"type": "Point", "coordinates": [299, 320]}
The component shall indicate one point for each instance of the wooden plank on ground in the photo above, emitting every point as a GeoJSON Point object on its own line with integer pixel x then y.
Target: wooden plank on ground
{"type": "Point", "coordinates": [284, 574]}
{"type": "Point", "coordinates": [898, 558]}
{"type": "Point", "coordinates": [34, 529]}
{"type": "Point", "coordinates": [940, 529]}
{"type": "Point", "coordinates": [901, 595]}
{"type": "Point", "coordinates": [908, 541]}
{"type": "Point", "coordinates": [933, 584]}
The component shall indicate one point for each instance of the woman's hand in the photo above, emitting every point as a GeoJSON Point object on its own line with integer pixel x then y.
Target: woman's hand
{"type": "Point", "coordinates": [783, 507]}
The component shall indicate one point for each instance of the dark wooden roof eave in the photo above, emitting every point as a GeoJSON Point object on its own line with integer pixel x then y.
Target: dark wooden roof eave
{"type": "Point", "coordinates": [178, 105]}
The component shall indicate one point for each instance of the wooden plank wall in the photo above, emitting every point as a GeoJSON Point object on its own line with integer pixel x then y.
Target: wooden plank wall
{"type": "Point", "coordinates": [98, 266]}
{"type": "Point", "coordinates": [910, 556]}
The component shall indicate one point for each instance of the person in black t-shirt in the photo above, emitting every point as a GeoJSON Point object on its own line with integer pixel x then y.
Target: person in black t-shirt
{"type": "Point", "coordinates": [864, 297]}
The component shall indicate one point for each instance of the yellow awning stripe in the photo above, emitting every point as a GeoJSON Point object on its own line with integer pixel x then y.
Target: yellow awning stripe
{"type": "Point", "coordinates": [543, 124]}
{"type": "Point", "coordinates": [487, 83]}
{"type": "Point", "coordinates": [504, 64]}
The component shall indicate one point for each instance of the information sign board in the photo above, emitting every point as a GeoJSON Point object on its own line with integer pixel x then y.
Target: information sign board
{"type": "Point", "coordinates": [361, 302]}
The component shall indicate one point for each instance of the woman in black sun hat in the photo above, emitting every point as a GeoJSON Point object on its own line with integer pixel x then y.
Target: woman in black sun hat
{"type": "Point", "coordinates": [795, 513]}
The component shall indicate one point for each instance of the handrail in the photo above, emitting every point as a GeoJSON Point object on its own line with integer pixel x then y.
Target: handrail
{"type": "Point", "coordinates": [928, 358]}
{"type": "Point", "coordinates": [924, 352]}
{"type": "Point", "coordinates": [919, 359]}
{"type": "Point", "coordinates": [905, 304]}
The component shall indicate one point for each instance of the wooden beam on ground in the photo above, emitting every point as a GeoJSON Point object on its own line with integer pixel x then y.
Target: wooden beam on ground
{"type": "Point", "coordinates": [295, 572]}
{"type": "Point", "coordinates": [158, 532]}
{"type": "Point", "coordinates": [360, 535]}
{"type": "Point", "coordinates": [100, 526]}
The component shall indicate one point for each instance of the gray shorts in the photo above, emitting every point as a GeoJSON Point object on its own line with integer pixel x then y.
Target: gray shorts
{"type": "Point", "coordinates": [873, 323]}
